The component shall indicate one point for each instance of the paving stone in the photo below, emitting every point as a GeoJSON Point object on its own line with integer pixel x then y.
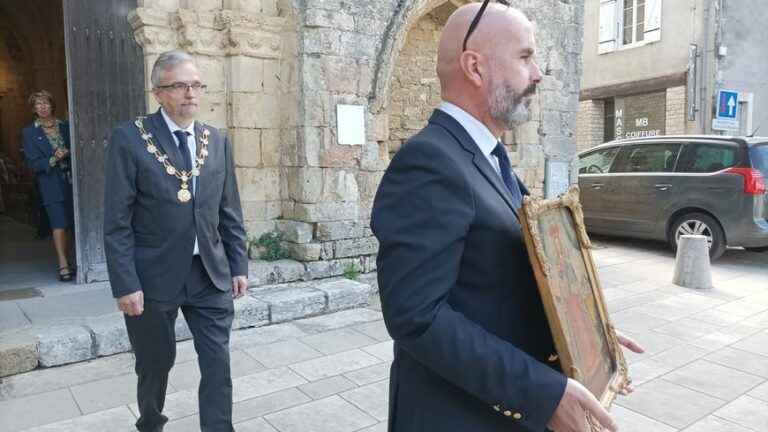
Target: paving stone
{"type": "Point", "coordinates": [337, 320]}
{"type": "Point", "coordinates": [110, 334]}
{"type": "Point", "coordinates": [18, 353]}
{"type": "Point", "coordinates": [379, 427]}
{"type": "Point", "coordinates": [185, 424]}
{"type": "Point", "coordinates": [291, 303]}
{"type": "Point", "coordinates": [330, 414]}
{"type": "Point", "coordinates": [326, 387]}
{"type": "Point", "coordinates": [714, 424]}
{"type": "Point", "coordinates": [382, 350]}
{"type": "Point", "coordinates": [282, 353]}
{"type": "Point", "coordinates": [181, 328]}
{"type": "Point", "coordinates": [744, 361]}
{"type": "Point", "coordinates": [345, 294]}
{"type": "Point", "coordinates": [654, 343]}
{"type": "Point", "coordinates": [746, 411]}
{"type": "Point", "coordinates": [250, 312]}
{"type": "Point", "coordinates": [726, 336]}
{"type": "Point", "coordinates": [274, 272]}
{"type": "Point", "coordinates": [255, 425]}
{"type": "Point", "coordinates": [115, 419]}
{"type": "Point", "coordinates": [335, 341]}
{"type": "Point", "coordinates": [62, 344]}
{"type": "Point", "coordinates": [760, 392]}
{"type": "Point", "coordinates": [104, 394]}
{"type": "Point", "coordinates": [370, 374]}
{"type": "Point", "coordinates": [757, 343]}
{"type": "Point", "coordinates": [686, 329]}
{"type": "Point", "coordinates": [177, 404]}
{"type": "Point", "coordinates": [264, 335]}
{"type": "Point", "coordinates": [373, 399]}
{"type": "Point", "coordinates": [670, 403]}
{"type": "Point", "coordinates": [630, 421]}
{"type": "Point", "coordinates": [714, 379]}
{"type": "Point", "coordinates": [327, 268]}
{"type": "Point", "coordinates": [262, 405]}
{"type": "Point", "coordinates": [265, 382]}
{"type": "Point", "coordinates": [335, 364]}
{"type": "Point", "coordinates": [22, 413]}
{"type": "Point", "coordinates": [376, 330]}
{"type": "Point", "coordinates": [186, 376]}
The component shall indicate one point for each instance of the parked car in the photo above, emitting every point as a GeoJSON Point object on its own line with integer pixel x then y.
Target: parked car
{"type": "Point", "coordinates": [666, 186]}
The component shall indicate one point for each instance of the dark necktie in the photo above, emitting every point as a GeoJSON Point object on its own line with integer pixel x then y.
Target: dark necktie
{"type": "Point", "coordinates": [507, 175]}
{"type": "Point", "coordinates": [182, 135]}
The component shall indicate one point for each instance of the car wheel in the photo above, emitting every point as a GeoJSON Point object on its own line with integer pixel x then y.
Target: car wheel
{"type": "Point", "coordinates": [699, 224]}
{"type": "Point", "coordinates": [757, 249]}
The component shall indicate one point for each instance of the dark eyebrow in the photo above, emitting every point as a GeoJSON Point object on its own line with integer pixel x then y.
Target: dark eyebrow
{"type": "Point", "coordinates": [528, 51]}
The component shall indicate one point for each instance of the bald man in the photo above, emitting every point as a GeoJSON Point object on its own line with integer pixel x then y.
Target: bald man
{"type": "Point", "coordinates": [473, 350]}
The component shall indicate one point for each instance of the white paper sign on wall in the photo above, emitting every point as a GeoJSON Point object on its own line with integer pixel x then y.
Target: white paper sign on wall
{"type": "Point", "coordinates": [350, 122]}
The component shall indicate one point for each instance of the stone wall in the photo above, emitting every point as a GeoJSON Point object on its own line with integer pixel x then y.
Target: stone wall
{"type": "Point", "coordinates": [676, 110]}
{"type": "Point", "coordinates": [590, 124]}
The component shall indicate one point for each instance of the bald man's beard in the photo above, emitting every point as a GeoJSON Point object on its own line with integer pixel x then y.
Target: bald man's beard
{"type": "Point", "coordinates": [508, 108]}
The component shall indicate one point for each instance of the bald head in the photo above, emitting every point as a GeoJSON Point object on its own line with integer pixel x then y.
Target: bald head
{"type": "Point", "coordinates": [499, 57]}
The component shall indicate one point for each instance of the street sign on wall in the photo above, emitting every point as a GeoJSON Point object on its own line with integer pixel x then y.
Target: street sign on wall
{"type": "Point", "coordinates": [727, 114]}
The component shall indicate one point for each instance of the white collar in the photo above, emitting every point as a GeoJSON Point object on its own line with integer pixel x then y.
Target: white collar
{"type": "Point", "coordinates": [172, 126]}
{"type": "Point", "coordinates": [477, 130]}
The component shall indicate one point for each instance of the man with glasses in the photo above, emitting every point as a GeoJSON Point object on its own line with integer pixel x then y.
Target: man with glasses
{"type": "Point", "coordinates": [473, 349]}
{"type": "Point", "coordinates": [174, 239]}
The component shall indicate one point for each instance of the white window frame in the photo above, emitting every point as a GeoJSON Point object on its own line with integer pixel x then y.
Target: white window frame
{"type": "Point", "coordinates": [611, 23]}
{"type": "Point", "coordinates": [635, 42]}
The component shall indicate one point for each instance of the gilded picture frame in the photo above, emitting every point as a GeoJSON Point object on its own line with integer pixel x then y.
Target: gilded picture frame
{"type": "Point", "coordinates": [560, 254]}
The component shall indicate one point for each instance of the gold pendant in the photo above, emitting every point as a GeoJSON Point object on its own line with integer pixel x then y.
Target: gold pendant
{"type": "Point", "coordinates": [184, 195]}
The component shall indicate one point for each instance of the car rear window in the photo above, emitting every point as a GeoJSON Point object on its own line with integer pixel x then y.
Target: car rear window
{"type": "Point", "coordinates": [704, 158]}
{"type": "Point", "coordinates": [759, 156]}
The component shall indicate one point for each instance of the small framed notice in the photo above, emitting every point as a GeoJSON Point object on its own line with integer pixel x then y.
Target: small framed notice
{"type": "Point", "coordinates": [350, 123]}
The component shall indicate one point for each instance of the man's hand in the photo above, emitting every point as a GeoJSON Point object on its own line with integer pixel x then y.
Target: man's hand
{"type": "Point", "coordinates": [630, 344]}
{"type": "Point", "coordinates": [132, 304]}
{"type": "Point", "coordinates": [576, 403]}
{"type": "Point", "coordinates": [239, 286]}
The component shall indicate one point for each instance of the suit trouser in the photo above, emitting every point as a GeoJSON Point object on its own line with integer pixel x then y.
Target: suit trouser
{"type": "Point", "coordinates": [209, 313]}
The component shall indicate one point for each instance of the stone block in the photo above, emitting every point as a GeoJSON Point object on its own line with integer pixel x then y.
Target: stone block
{"type": "Point", "coordinates": [207, 5]}
{"type": "Point", "coordinates": [274, 272]}
{"type": "Point", "coordinates": [317, 111]}
{"type": "Point", "coordinates": [247, 147]}
{"type": "Point", "coordinates": [64, 344]}
{"type": "Point", "coordinates": [252, 6]}
{"type": "Point", "coordinates": [296, 232]}
{"type": "Point", "coordinates": [273, 82]}
{"type": "Point", "coordinates": [166, 5]}
{"type": "Point", "coordinates": [339, 230]}
{"type": "Point", "coordinates": [305, 184]}
{"type": "Point", "coordinates": [109, 334]}
{"type": "Point", "coordinates": [369, 264]}
{"type": "Point", "coordinates": [330, 19]}
{"type": "Point", "coordinates": [325, 212]}
{"type": "Point", "coordinates": [341, 74]}
{"type": "Point", "coordinates": [246, 74]}
{"type": "Point", "coordinates": [255, 110]}
{"type": "Point", "coordinates": [378, 128]}
{"type": "Point", "coordinates": [250, 312]}
{"type": "Point", "coordinates": [356, 247]}
{"type": "Point", "coordinates": [213, 109]}
{"type": "Point", "coordinates": [305, 252]}
{"type": "Point", "coordinates": [270, 147]}
{"type": "Point", "coordinates": [321, 41]}
{"type": "Point", "coordinates": [339, 185]}
{"type": "Point", "coordinates": [357, 45]}
{"type": "Point", "coordinates": [258, 228]}
{"type": "Point", "coordinates": [18, 353]}
{"type": "Point", "coordinates": [261, 211]}
{"type": "Point", "coordinates": [211, 72]}
{"type": "Point", "coordinates": [345, 294]}
{"type": "Point", "coordinates": [327, 252]}
{"type": "Point", "coordinates": [329, 268]}
{"type": "Point", "coordinates": [258, 184]}
{"type": "Point", "coordinates": [287, 304]}
{"type": "Point", "coordinates": [368, 182]}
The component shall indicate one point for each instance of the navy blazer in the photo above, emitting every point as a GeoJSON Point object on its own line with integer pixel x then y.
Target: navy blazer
{"type": "Point", "coordinates": [149, 235]}
{"type": "Point", "coordinates": [52, 181]}
{"type": "Point", "coordinates": [472, 347]}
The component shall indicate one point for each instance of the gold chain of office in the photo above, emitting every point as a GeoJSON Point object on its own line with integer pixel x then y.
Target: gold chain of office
{"type": "Point", "coordinates": [184, 195]}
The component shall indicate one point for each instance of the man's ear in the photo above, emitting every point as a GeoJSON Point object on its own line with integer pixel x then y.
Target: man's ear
{"type": "Point", "coordinates": [473, 68]}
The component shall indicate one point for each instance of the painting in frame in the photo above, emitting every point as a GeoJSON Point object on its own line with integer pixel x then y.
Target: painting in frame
{"type": "Point", "coordinates": [560, 254]}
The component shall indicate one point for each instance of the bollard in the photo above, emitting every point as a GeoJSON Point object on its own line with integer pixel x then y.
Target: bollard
{"type": "Point", "coordinates": [692, 263]}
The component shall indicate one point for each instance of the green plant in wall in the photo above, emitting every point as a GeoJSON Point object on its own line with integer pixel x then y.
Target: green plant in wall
{"type": "Point", "coordinates": [269, 247]}
{"type": "Point", "coordinates": [352, 271]}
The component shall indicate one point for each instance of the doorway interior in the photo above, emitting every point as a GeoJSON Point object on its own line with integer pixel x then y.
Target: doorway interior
{"type": "Point", "coordinates": [32, 57]}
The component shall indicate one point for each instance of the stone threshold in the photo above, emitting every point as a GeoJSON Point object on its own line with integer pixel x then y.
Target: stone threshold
{"type": "Point", "coordinates": [63, 343]}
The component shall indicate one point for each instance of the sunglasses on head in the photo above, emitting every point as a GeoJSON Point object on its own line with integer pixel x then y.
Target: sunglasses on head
{"type": "Point", "coordinates": [476, 21]}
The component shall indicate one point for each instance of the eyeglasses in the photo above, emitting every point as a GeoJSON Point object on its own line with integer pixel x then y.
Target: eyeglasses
{"type": "Point", "coordinates": [182, 87]}
{"type": "Point", "coordinates": [476, 21]}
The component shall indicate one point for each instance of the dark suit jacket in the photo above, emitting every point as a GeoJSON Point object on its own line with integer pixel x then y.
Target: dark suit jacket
{"type": "Point", "coordinates": [458, 294]}
{"type": "Point", "coordinates": [148, 234]}
{"type": "Point", "coordinates": [51, 181]}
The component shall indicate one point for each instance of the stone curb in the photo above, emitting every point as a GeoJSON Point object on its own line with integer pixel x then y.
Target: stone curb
{"type": "Point", "coordinates": [59, 344]}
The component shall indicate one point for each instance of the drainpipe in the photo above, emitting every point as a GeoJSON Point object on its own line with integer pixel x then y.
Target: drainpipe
{"type": "Point", "coordinates": [706, 95]}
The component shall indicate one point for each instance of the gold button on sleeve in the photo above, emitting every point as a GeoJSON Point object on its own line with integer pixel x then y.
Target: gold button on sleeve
{"type": "Point", "coordinates": [517, 416]}
{"type": "Point", "coordinates": [507, 413]}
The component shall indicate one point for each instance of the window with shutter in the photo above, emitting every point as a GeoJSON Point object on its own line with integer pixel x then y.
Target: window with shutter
{"type": "Point", "coordinates": [608, 26]}
{"type": "Point", "coordinates": [628, 22]}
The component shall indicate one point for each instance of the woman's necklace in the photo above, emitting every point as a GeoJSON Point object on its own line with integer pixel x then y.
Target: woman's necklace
{"type": "Point", "coordinates": [184, 195]}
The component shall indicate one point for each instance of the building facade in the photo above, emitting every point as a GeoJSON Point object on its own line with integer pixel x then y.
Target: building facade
{"type": "Point", "coordinates": [654, 67]}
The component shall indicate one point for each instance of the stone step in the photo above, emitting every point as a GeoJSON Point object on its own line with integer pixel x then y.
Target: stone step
{"type": "Point", "coordinates": [79, 340]}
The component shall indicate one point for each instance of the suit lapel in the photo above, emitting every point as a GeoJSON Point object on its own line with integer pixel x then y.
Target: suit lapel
{"type": "Point", "coordinates": [164, 139]}
{"type": "Point", "coordinates": [478, 158]}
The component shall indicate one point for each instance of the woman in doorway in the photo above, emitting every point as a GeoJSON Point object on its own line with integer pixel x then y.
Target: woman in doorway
{"type": "Point", "coordinates": [46, 149]}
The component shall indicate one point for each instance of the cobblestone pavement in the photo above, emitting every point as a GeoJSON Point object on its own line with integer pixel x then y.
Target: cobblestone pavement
{"type": "Point", "coordinates": [705, 370]}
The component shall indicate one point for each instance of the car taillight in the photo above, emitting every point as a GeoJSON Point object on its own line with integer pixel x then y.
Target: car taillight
{"type": "Point", "coordinates": [754, 181]}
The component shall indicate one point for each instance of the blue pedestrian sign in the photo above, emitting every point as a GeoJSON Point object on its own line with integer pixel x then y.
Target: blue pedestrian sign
{"type": "Point", "coordinates": [727, 117]}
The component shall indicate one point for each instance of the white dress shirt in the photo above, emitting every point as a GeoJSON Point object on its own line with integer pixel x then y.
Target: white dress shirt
{"type": "Point", "coordinates": [192, 145]}
{"type": "Point", "coordinates": [477, 130]}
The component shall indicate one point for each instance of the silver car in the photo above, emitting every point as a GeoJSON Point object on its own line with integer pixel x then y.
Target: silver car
{"type": "Point", "coordinates": [663, 187]}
